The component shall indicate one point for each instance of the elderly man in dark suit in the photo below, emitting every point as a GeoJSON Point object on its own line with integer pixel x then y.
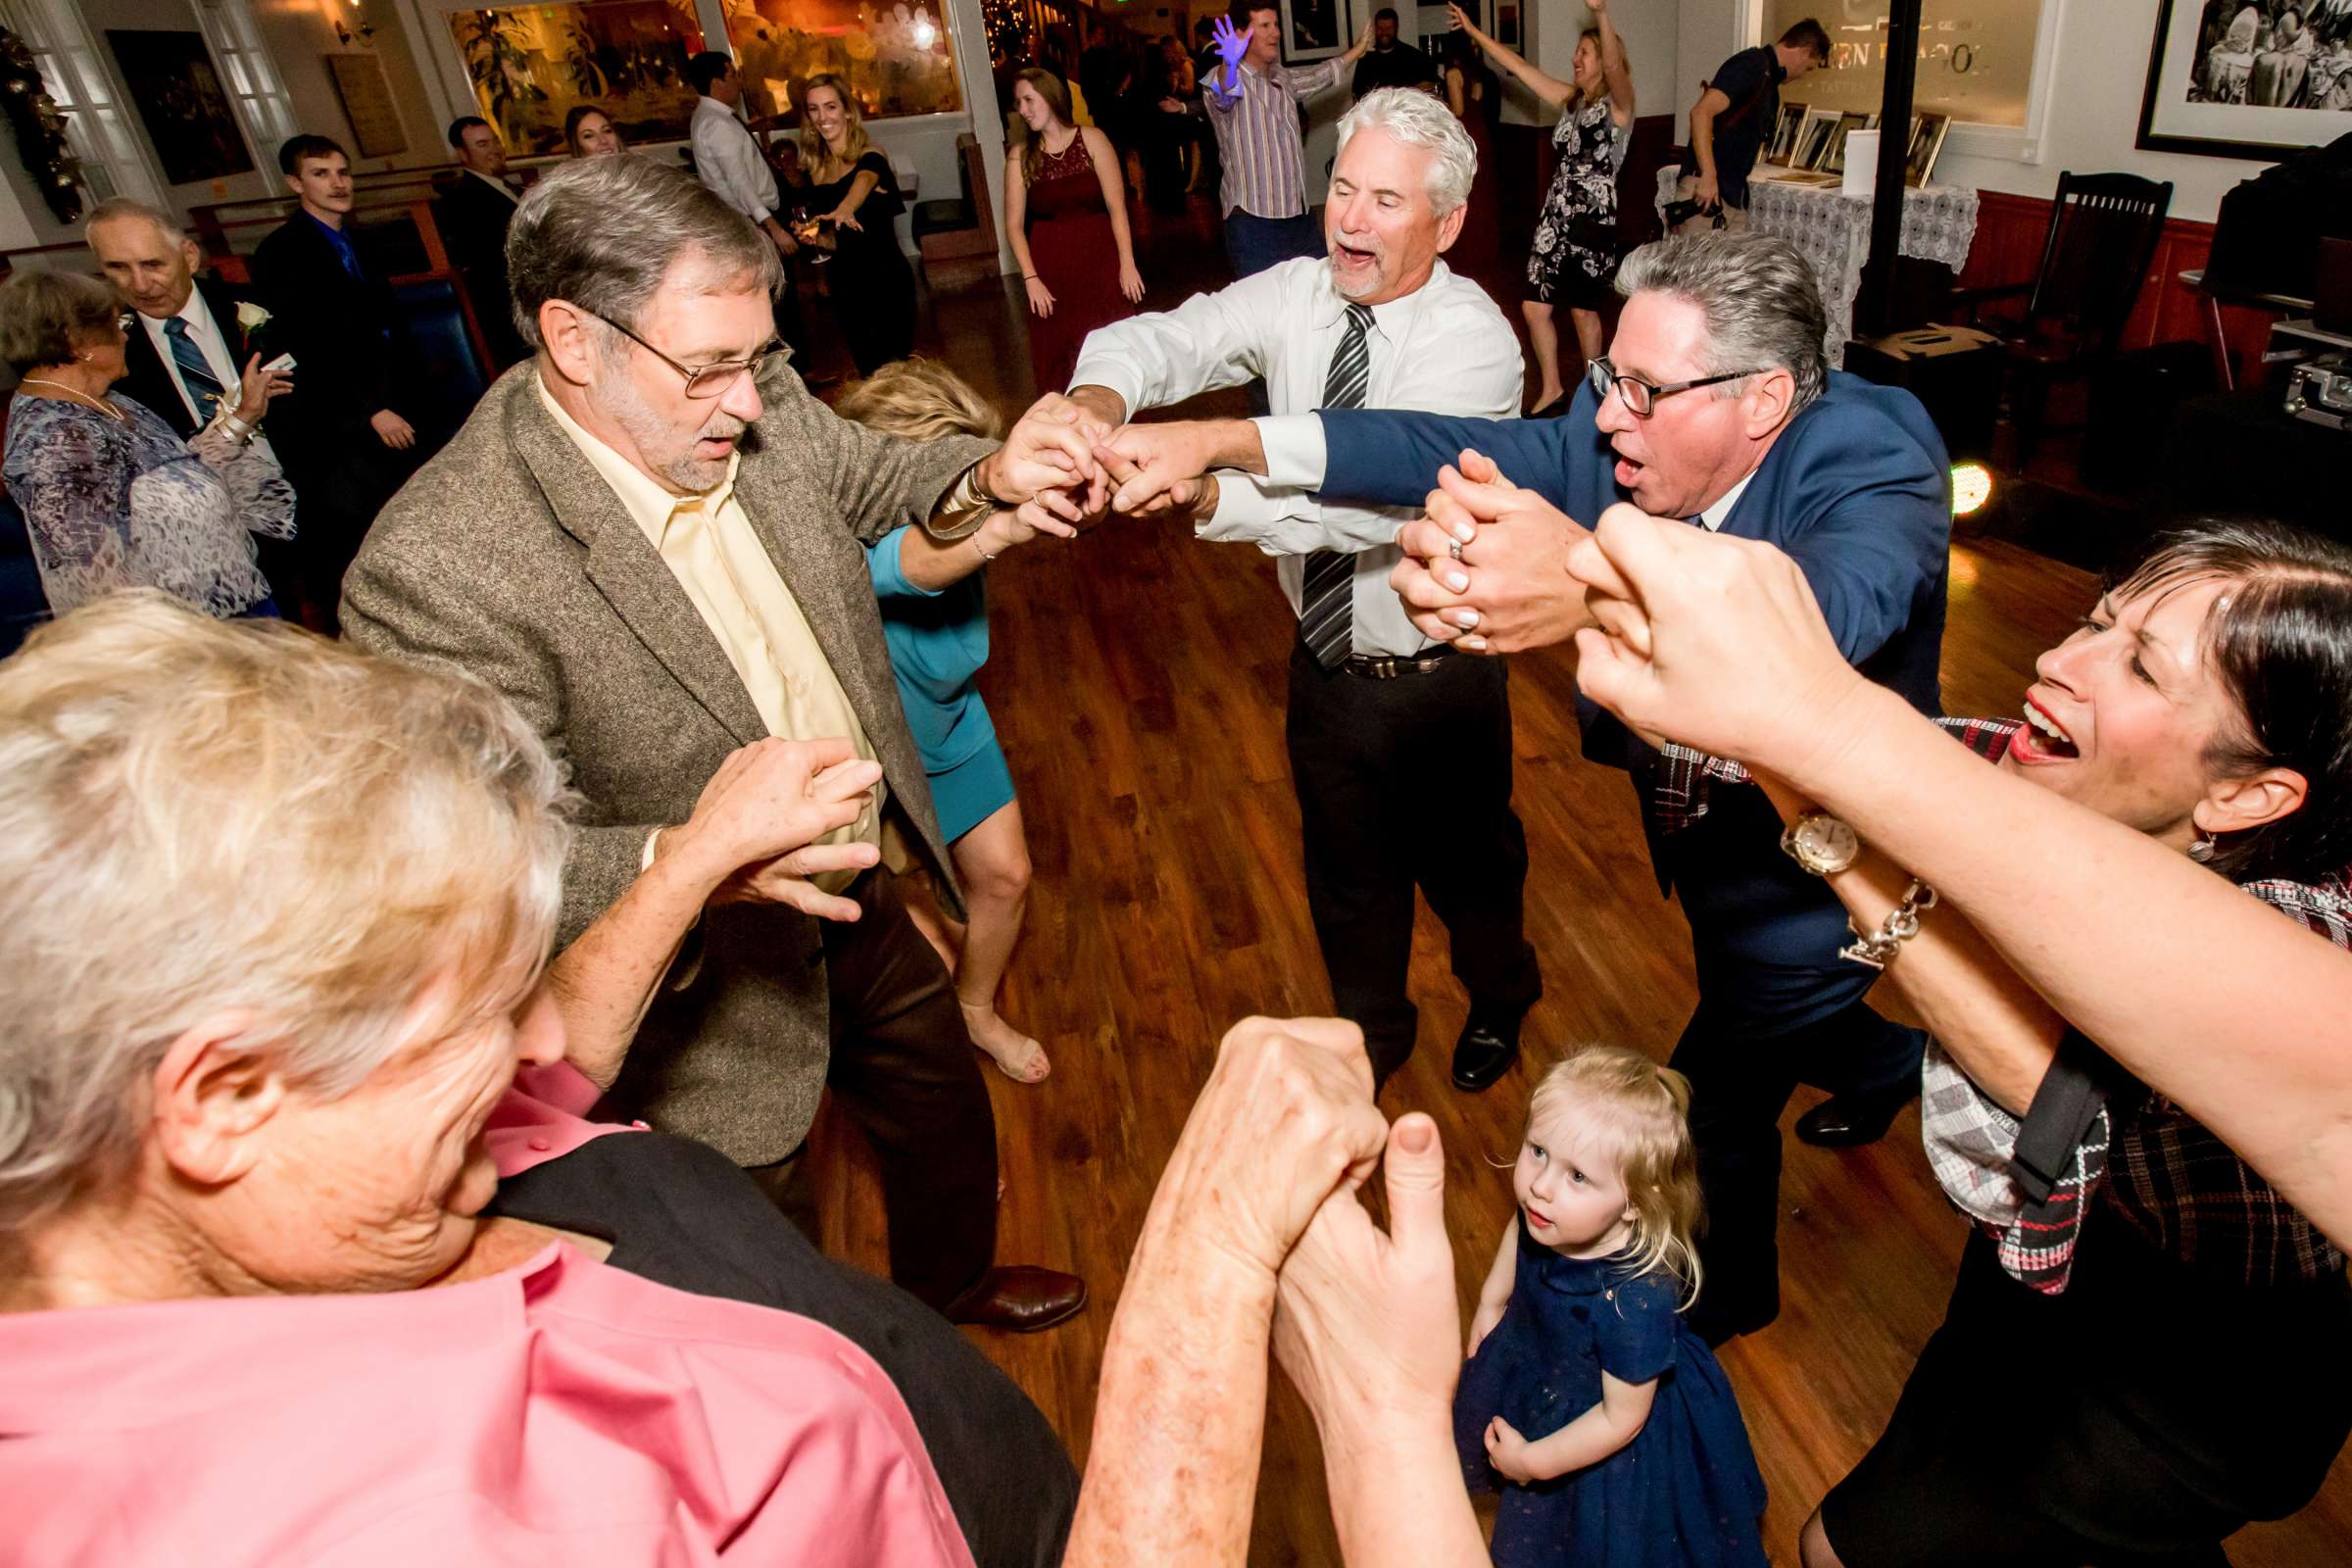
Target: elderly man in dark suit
{"type": "Point", "coordinates": [190, 345]}
{"type": "Point", "coordinates": [650, 539]}
{"type": "Point", "coordinates": [1715, 406]}
{"type": "Point", "coordinates": [342, 435]}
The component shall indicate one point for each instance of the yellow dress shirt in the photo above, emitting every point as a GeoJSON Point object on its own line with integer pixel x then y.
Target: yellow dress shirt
{"type": "Point", "coordinates": [708, 545]}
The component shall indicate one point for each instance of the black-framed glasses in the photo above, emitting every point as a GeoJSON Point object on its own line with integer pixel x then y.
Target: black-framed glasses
{"type": "Point", "coordinates": [1640, 397]}
{"type": "Point", "coordinates": [703, 380]}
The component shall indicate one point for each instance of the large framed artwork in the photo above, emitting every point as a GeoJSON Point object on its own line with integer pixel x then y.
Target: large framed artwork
{"type": "Point", "coordinates": [898, 58]}
{"type": "Point", "coordinates": [2247, 78]}
{"type": "Point", "coordinates": [170, 76]}
{"type": "Point", "coordinates": [1313, 29]}
{"type": "Point", "coordinates": [530, 63]}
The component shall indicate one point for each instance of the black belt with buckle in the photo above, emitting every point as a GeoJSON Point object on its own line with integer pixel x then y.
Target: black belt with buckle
{"type": "Point", "coordinates": [1387, 666]}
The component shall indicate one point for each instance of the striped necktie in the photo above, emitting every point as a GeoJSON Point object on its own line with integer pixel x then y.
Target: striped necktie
{"type": "Point", "coordinates": [1327, 597]}
{"type": "Point", "coordinates": [194, 373]}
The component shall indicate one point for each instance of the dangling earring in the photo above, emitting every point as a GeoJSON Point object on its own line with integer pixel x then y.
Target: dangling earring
{"type": "Point", "coordinates": [2201, 850]}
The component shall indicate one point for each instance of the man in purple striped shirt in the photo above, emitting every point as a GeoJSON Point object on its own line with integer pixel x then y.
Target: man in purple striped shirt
{"type": "Point", "coordinates": [1251, 99]}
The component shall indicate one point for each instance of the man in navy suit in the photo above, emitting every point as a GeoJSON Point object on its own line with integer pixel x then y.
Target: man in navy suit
{"type": "Point", "coordinates": [1716, 406]}
{"type": "Point", "coordinates": [342, 436]}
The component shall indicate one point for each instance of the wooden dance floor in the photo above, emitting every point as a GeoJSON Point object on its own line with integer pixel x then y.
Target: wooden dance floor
{"type": "Point", "coordinates": [1136, 679]}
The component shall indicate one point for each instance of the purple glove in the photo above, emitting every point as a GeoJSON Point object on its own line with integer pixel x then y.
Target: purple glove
{"type": "Point", "coordinates": [1231, 46]}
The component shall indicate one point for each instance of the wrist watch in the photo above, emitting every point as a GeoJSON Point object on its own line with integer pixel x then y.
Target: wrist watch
{"type": "Point", "coordinates": [964, 508]}
{"type": "Point", "coordinates": [1821, 844]}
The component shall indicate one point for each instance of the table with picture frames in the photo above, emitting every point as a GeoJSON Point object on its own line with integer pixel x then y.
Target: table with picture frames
{"type": "Point", "coordinates": [1832, 231]}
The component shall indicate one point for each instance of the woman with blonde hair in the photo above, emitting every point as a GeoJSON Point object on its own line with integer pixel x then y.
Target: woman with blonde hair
{"type": "Point", "coordinates": [1065, 215]}
{"type": "Point", "coordinates": [1575, 256]}
{"type": "Point", "coordinates": [935, 619]}
{"type": "Point", "coordinates": [1606, 1423]}
{"type": "Point", "coordinates": [852, 201]}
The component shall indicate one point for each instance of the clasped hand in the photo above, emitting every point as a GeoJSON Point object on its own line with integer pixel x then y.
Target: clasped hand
{"type": "Point", "coordinates": [1049, 459]}
{"type": "Point", "coordinates": [1266, 1174]}
{"type": "Point", "coordinates": [1486, 568]}
{"type": "Point", "coordinates": [754, 827]}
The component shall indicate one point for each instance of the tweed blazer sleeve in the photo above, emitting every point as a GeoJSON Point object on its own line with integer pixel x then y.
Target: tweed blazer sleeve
{"type": "Point", "coordinates": [880, 482]}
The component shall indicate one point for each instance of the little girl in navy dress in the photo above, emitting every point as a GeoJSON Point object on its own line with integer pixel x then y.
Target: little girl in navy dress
{"type": "Point", "coordinates": [1605, 1422]}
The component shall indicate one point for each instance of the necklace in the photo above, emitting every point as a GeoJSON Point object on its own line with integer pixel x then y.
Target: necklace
{"type": "Point", "coordinates": [78, 396]}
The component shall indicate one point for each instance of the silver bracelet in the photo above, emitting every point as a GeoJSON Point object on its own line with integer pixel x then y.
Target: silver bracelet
{"type": "Point", "coordinates": [984, 558]}
{"type": "Point", "coordinates": [1900, 925]}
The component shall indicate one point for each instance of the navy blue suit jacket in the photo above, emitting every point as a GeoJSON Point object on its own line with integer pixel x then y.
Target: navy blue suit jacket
{"type": "Point", "coordinates": [1857, 492]}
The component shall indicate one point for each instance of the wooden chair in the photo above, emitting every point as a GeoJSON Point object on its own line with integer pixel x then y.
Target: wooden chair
{"type": "Point", "coordinates": [957, 236]}
{"type": "Point", "coordinates": [2102, 237]}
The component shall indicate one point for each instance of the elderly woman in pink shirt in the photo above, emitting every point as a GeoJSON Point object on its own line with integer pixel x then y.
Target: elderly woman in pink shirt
{"type": "Point", "coordinates": [276, 918]}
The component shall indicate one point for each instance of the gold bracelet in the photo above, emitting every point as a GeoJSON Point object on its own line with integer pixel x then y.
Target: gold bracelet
{"type": "Point", "coordinates": [984, 558]}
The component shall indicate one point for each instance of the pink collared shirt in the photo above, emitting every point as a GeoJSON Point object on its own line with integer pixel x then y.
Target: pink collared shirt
{"type": "Point", "coordinates": [562, 1412]}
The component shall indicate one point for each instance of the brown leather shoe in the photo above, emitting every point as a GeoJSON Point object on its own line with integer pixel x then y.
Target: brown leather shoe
{"type": "Point", "coordinates": [1020, 1298]}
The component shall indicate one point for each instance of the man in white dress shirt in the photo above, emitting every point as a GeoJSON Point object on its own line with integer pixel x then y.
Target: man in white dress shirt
{"type": "Point", "coordinates": [1381, 720]}
{"type": "Point", "coordinates": [727, 158]}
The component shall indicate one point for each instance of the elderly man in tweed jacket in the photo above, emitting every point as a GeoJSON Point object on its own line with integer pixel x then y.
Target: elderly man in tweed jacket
{"type": "Point", "coordinates": [649, 539]}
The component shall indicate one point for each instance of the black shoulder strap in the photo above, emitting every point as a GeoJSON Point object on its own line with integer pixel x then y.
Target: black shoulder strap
{"type": "Point", "coordinates": [1747, 104]}
{"type": "Point", "coordinates": [2071, 1095]}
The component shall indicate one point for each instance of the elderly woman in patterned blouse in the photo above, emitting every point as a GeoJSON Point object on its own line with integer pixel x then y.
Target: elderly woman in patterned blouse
{"type": "Point", "coordinates": [113, 498]}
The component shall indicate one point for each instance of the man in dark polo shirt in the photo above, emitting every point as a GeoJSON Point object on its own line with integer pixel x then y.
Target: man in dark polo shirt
{"type": "Point", "coordinates": [1391, 64]}
{"type": "Point", "coordinates": [1735, 113]}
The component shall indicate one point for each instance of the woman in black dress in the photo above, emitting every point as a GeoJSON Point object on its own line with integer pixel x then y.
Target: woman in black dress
{"type": "Point", "coordinates": [851, 200]}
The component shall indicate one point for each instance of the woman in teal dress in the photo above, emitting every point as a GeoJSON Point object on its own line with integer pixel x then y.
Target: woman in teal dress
{"type": "Point", "coordinates": [935, 618]}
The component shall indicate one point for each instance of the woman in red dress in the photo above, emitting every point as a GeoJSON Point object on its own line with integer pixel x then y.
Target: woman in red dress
{"type": "Point", "coordinates": [1066, 213]}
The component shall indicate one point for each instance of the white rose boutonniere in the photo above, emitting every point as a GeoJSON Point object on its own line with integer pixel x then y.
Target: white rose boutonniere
{"type": "Point", "coordinates": [250, 317]}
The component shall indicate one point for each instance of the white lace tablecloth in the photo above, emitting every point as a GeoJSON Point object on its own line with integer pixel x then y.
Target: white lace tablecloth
{"type": "Point", "coordinates": [1832, 231]}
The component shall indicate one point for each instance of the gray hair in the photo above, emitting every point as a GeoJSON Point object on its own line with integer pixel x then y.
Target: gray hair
{"type": "Point", "coordinates": [1762, 307]}
{"type": "Point", "coordinates": [119, 207]}
{"type": "Point", "coordinates": [602, 232]}
{"type": "Point", "coordinates": [43, 313]}
{"type": "Point", "coordinates": [203, 819]}
{"type": "Point", "coordinates": [1414, 118]}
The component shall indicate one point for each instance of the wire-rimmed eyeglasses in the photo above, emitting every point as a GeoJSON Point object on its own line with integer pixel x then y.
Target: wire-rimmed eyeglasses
{"type": "Point", "coordinates": [703, 380]}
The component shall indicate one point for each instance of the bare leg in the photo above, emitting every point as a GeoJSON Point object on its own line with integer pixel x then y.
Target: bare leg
{"type": "Point", "coordinates": [1813, 1545]}
{"type": "Point", "coordinates": [993, 862]}
{"type": "Point", "coordinates": [1546, 337]}
{"type": "Point", "coordinates": [1588, 333]}
{"type": "Point", "coordinates": [922, 908]}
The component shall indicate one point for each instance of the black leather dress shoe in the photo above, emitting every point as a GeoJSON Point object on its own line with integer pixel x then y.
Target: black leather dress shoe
{"type": "Point", "coordinates": [1484, 1053]}
{"type": "Point", "coordinates": [1020, 1298]}
{"type": "Point", "coordinates": [1848, 1121]}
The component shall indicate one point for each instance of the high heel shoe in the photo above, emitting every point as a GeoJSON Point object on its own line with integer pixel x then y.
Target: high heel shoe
{"type": "Point", "coordinates": [1550, 410]}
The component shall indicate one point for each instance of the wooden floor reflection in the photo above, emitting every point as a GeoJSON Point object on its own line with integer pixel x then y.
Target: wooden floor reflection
{"type": "Point", "coordinates": [1136, 679]}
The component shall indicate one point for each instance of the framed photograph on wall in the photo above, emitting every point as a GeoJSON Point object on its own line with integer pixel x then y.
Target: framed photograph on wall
{"type": "Point", "coordinates": [2231, 81]}
{"type": "Point", "coordinates": [1313, 29]}
{"type": "Point", "coordinates": [182, 102]}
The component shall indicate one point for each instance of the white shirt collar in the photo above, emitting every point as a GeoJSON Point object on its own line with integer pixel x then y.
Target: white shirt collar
{"type": "Point", "coordinates": [1712, 518]}
{"type": "Point", "coordinates": [1393, 318]}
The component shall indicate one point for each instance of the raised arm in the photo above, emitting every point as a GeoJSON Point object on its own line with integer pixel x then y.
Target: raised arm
{"type": "Point", "coordinates": [1390, 459]}
{"type": "Point", "coordinates": [1551, 89]}
{"type": "Point", "coordinates": [1995, 1025]}
{"type": "Point", "coordinates": [1171, 1476]}
{"type": "Point", "coordinates": [1613, 67]}
{"type": "Point", "coordinates": [1717, 643]}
